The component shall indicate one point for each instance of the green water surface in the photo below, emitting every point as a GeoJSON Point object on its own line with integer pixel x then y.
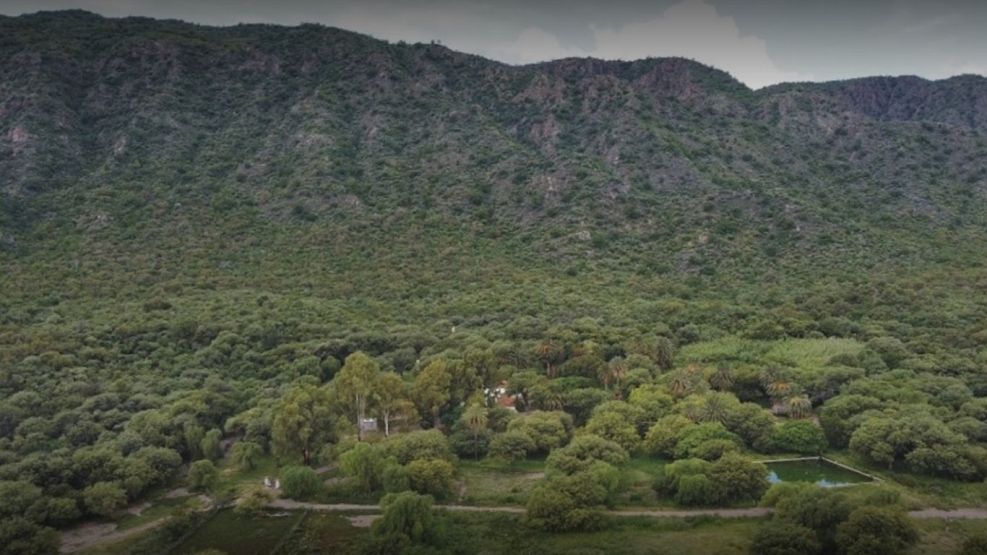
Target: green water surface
{"type": "Point", "coordinates": [818, 472]}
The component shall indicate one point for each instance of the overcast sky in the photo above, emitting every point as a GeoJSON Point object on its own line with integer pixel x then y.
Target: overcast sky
{"type": "Point", "coordinates": [760, 42]}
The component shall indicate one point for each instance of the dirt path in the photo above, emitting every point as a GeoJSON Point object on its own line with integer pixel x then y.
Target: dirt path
{"type": "Point", "coordinates": [751, 512]}
{"type": "Point", "coordinates": [89, 535]}
{"type": "Point", "coordinates": [979, 514]}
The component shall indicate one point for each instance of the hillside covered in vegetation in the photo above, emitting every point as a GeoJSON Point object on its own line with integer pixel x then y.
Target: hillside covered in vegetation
{"type": "Point", "coordinates": [259, 235]}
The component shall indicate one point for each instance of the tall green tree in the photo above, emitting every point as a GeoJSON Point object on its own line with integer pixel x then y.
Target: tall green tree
{"type": "Point", "coordinates": [356, 385]}
{"type": "Point", "coordinates": [392, 395]}
{"type": "Point", "coordinates": [476, 419]}
{"type": "Point", "coordinates": [303, 422]}
{"type": "Point", "coordinates": [431, 389]}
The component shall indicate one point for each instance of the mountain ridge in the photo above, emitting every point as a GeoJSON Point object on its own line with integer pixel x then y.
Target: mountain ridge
{"type": "Point", "coordinates": [105, 123]}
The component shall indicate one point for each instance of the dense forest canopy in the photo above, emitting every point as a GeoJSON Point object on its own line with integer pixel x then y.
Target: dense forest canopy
{"type": "Point", "coordinates": [234, 243]}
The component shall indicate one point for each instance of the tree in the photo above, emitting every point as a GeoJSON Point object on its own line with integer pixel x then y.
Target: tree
{"type": "Point", "coordinates": [819, 509]}
{"type": "Point", "coordinates": [550, 353]}
{"type": "Point", "coordinates": [356, 384]}
{"type": "Point", "coordinates": [210, 446]}
{"type": "Point", "coordinates": [722, 379]}
{"type": "Point", "coordinates": [300, 482]}
{"type": "Point", "coordinates": [475, 418]}
{"type": "Point", "coordinates": [799, 436]}
{"type": "Point", "coordinates": [391, 398]}
{"type": "Point", "coordinates": [20, 536]}
{"type": "Point", "coordinates": [407, 520]}
{"type": "Point", "coordinates": [664, 353]}
{"type": "Point", "coordinates": [366, 463]}
{"type": "Point", "coordinates": [784, 538]}
{"type": "Point", "coordinates": [511, 445]}
{"type": "Point", "coordinates": [548, 430]}
{"type": "Point", "coordinates": [691, 438]}
{"type": "Point", "coordinates": [431, 389]}
{"type": "Point", "coordinates": [876, 531]}
{"type": "Point", "coordinates": [432, 477]}
{"type": "Point", "coordinates": [798, 406]}
{"type": "Point", "coordinates": [616, 428]}
{"type": "Point", "coordinates": [662, 437]}
{"type": "Point", "coordinates": [423, 444]}
{"type": "Point", "coordinates": [202, 474]}
{"type": "Point", "coordinates": [104, 498]}
{"type": "Point", "coordinates": [303, 422]}
{"type": "Point", "coordinates": [582, 452]}
{"type": "Point", "coordinates": [738, 478]}
{"type": "Point", "coordinates": [553, 509]}
{"type": "Point", "coordinates": [245, 454]}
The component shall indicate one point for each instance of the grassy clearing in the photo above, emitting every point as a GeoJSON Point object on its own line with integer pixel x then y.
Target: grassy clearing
{"type": "Point", "coordinates": [232, 480]}
{"type": "Point", "coordinates": [324, 533]}
{"type": "Point", "coordinates": [919, 491]}
{"type": "Point", "coordinates": [490, 482]}
{"type": "Point", "coordinates": [945, 536]}
{"type": "Point", "coordinates": [811, 353]}
{"type": "Point", "coordinates": [798, 353]}
{"type": "Point", "coordinates": [507, 534]}
{"type": "Point", "coordinates": [242, 534]}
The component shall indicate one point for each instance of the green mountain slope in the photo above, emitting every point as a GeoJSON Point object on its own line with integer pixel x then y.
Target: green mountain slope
{"type": "Point", "coordinates": [145, 161]}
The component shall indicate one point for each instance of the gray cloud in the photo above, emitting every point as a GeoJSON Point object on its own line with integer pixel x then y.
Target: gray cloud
{"type": "Point", "coordinates": [759, 41]}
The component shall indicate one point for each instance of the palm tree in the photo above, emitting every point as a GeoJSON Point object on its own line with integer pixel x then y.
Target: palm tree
{"type": "Point", "coordinates": [715, 409]}
{"type": "Point", "coordinates": [548, 351]}
{"type": "Point", "coordinates": [476, 420]}
{"type": "Point", "coordinates": [779, 389]}
{"type": "Point", "coordinates": [680, 384]}
{"type": "Point", "coordinates": [799, 406]}
{"type": "Point", "coordinates": [612, 372]}
{"type": "Point", "coordinates": [722, 379]}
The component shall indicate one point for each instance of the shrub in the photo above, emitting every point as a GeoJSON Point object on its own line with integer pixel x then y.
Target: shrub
{"type": "Point", "coordinates": [784, 538]}
{"type": "Point", "coordinates": [511, 445]}
{"type": "Point", "coordinates": [300, 482]}
{"type": "Point", "coordinates": [431, 476]}
{"type": "Point", "coordinates": [202, 475]}
{"type": "Point", "coordinates": [799, 436]}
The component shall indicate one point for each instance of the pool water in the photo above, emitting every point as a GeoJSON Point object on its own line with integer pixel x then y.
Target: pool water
{"type": "Point", "coordinates": [819, 472]}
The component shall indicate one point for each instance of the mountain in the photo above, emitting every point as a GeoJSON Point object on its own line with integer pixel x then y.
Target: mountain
{"type": "Point", "coordinates": [143, 158]}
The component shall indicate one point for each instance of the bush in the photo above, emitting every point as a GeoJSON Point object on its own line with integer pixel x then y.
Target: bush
{"type": "Point", "coordinates": [511, 445]}
{"type": "Point", "coordinates": [202, 475]}
{"type": "Point", "coordinates": [431, 476]}
{"type": "Point", "coordinates": [426, 444]}
{"type": "Point", "coordinates": [104, 498]}
{"type": "Point", "coordinates": [407, 521]}
{"type": "Point", "coordinates": [583, 452]}
{"type": "Point", "coordinates": [784, 538]}
{"type": "Point", "coordinates": [876, 531]}
{"type": "Point", "coordinates": [253, 500]}
{"type": "Point", "coordinates": [798, 436]}
{"type": "Point", "coordinates": [300, 482]}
